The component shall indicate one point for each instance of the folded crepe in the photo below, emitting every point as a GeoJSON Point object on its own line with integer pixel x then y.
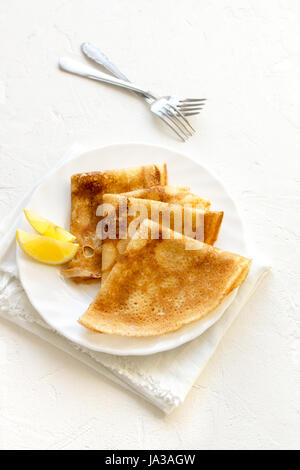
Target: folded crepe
{"type": "Point", "coordinates": [122, 213]}
{"type": "Point", "coordinates": [171, 195]}
{"type": "Point", "coordinates": [158, 286]}
{"type": "Point", "coordinates": [87, 190]}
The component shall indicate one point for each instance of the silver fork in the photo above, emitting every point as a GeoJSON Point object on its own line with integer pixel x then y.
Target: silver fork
{"type": "Point", "coordinates": [161, 107]}
{"type": "Point", "coordinates": [187, 106]}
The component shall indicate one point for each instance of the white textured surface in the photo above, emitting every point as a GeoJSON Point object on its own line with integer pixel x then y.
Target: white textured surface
{"type": "Point", "coordinates": [244, 56]}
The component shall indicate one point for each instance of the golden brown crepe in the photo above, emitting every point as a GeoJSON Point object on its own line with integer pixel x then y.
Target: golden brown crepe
{"type": "Point", "coordinates": [171, 195]}
{"type": "Point", "coordinates": [181, 219]}
{"type": "Point", "coordinates": [158, 286]}
{"type": "Point", "coordinates": [87, 190]}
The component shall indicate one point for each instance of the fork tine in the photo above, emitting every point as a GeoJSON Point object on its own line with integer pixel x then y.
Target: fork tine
{"type": "Point", "coordinates": [186, 106]}
{"type": "Point", "coordinates": [184, 129]}
{"type": "Point", "coordinates": [189, 104]}
{"type": "Point", "coordinates": [194, 113]}
{"type": "Point", "coordinates": [185, 124]}
{"type": "Point", "coordinates": [190, 100]}
{"type": "Point", "coordinates": [194, 105]}
{"type": "Point", "coordinates": [186, 113]}
{"type": "Point", "coordinates": [190, 108]}
{"type": "Point", "coordinates": [166, 119]}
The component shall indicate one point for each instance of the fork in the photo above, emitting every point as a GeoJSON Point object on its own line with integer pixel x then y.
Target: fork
{"type": "Point", "coordinates": [161, 107]}
{"type": "Point", "coordinates": [187, 106]}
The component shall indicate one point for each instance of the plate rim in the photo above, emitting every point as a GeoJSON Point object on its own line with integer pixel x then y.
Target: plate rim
{"type": "Point", "coordinates": [113, 350]}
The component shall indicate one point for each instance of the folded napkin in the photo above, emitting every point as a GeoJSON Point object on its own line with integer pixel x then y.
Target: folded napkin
{"type": "Point", "coordinates": [164, 379]}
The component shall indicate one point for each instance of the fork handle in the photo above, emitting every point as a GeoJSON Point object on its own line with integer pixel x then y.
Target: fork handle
{"type": "Point", "coordinates": [95, 54]}
{"type": "Point", "coordinates": [72, 66]}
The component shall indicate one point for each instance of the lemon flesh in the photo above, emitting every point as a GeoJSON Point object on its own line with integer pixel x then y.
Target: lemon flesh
{"type": "Point", "coordinates": [47, 228]}
{"type": "Point", "coordinates": [46, 249]}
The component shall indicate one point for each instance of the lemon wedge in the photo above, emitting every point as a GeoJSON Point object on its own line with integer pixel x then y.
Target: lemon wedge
{"type": "Point", "coordinates": [47, 228]}
{"type": "Point", "coordinates": [46, 249]}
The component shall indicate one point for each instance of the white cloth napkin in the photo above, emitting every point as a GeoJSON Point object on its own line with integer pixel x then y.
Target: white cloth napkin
{"type": "Point", "coordinates": [164, 379]}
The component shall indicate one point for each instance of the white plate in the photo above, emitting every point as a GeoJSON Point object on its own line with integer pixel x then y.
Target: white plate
{"type": "Point", "coordinates": [60, 302]}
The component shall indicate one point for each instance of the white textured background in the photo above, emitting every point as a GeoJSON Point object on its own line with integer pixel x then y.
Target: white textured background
{"type": "Point", "coordinates": [245, 57]}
